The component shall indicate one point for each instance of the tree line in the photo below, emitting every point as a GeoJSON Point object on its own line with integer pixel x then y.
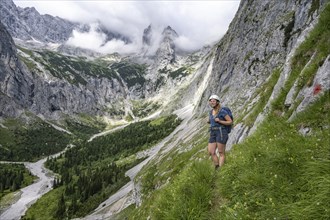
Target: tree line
{"type": "Point", "coordinates": [32, 143]}
{"type": "Point", "coordinates": [13, 177]}
{"type": "Point", "coordinates": [88, 173]}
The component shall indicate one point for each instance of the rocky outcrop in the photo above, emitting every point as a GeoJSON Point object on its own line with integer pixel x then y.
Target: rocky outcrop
{"type": "Point", "coordinates": [262, 38]}
{"type": "Point", "coordinates": [16, 83]}
{"type": "Point", "coordinates": [28, 24]}
{"type": "Point", "coordinates": [166, 51]}
{"type": "Point", "coordinates": [320, 85]}
{"type": "Point", "coordinates": [259, 39]}
{"type": "Point", "coordinates": [147, 35]}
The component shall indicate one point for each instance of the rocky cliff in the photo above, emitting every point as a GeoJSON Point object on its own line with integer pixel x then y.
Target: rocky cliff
{"type": "Point", "coordinates": [15, 81]}
{"type": "Point", "coordinates": [260, 43]}
{"type": "Point", "coordinates": [28, 24]}
{"type": "Point", "coordinates": [49, 97]}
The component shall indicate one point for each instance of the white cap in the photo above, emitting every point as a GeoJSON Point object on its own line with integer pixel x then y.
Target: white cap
{"type": "Point", "coordinates": [214, 97]}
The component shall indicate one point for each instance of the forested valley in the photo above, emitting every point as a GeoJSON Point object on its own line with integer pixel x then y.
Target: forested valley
{"type": "Point", "coordinates": [13, 177]}
{"type": "Point", "coordinates": [89, 172]}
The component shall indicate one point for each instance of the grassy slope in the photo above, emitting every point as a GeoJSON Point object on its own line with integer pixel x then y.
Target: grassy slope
{"type": "Point", "coordinates": [276, 173]}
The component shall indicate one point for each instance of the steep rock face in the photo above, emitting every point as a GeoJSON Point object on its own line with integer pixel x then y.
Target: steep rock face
{"type": "Point", "coordinates": [28, 24]}
{"type": "Point", "coordinates": [59, 97]}
{"type": "Point", "coordinates": [164, 60]}
{"type": "Point", "coordinates": [48, 96]}
{"type": "Point", "coordinates": [166, 51]}
{"type": "Point", "coordinates": [258, 41]}
{"type": "Point", "coordinates": [321, 84]}
{"type": "Point", "coordinates": [15, 81]}
{"type": "Point", "coordinates": [147, 35]}
{"type": "Point", "coordinates": [261, 39]}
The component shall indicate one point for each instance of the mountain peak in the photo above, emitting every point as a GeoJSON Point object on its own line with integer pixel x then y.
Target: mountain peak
{"type": "Point", "coordinates": [147, 34]}
{"type": "Point", "coordinates": [169, 32]}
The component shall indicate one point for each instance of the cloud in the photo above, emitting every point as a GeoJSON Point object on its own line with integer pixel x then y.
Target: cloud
{"type": "Point", "coordinates": [197, 22]}
{"type": "Point", "coordinates": [96, 41]}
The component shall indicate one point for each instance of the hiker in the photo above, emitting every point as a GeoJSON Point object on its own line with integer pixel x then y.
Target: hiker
{"type": "Point", "coordinates": [219, 119]}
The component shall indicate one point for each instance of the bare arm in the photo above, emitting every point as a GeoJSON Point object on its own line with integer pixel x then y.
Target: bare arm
{"type": "Point", "coordinates": [228, 120]}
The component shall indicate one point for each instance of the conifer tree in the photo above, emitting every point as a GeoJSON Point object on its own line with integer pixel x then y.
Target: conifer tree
{"type": "Point", "coordinates": [60, 212]}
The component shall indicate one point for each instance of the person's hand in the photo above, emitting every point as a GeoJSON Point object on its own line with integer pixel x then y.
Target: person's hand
{"type": "Point", "coordinates": [217, 120]}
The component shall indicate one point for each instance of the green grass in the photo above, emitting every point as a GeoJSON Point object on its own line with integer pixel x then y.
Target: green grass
{"type": "Point", "coordinates": [279, 173]}
{"type": "Point", "coordinates": [275, 174]}
{"type": "Point", "coordinates": [187, 197]}
{"type": "Point", "coordinates": [124, 214]}
{"type": "Point", "coordinates": [158, 121]}
{"type": "Point", "coordinates": [9, 199]}
{"type": "Point", "coordinates": [142, 109]}
{"type": "Point", "coordinates": [85, 126]}
{"type": "Point", "coordinates": [45, 209]}
{"type": "Point", "coordinates": [195, 180]}
{"type": "Point", "coordinates": [178, 173]}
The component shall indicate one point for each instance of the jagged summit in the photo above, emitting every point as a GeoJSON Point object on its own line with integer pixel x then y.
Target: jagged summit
{"type": "Point", "coordinates": [147, 35]}
{"type": "Point", "coordinates": [159, 43]}
{"type": "Point", "coordinates": [169, 32]}
{"type": "Point", "coordinates": [166, 51]}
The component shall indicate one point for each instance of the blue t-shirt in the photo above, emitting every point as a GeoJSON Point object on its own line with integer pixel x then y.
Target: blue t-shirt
{"type": "Point", "coordinates": [221, 114]}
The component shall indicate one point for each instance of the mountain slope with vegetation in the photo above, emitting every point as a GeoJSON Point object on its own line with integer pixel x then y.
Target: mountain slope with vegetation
{"type": "Point", "coordinates": [275, 173]}
{"type": "Point", "coordinates": [280, 171]}
{"type": "Point", "coordinates": [92, 171]}
{"type": "Point", "coordinates": [279, 162]}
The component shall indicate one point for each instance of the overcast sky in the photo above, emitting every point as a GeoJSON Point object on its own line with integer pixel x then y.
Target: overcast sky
{"type": "Point", "coordinates": [197, 23]}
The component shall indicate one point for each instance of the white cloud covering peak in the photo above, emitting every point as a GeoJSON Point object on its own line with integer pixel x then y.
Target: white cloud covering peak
{"type": "Point", "coordinates": [196, 22]}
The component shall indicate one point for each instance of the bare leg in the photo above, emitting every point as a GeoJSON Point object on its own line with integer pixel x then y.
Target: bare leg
{"type": "Point", "coordinates": [212, 147]}
{"type": "Point", "coordinates": [222, 153]}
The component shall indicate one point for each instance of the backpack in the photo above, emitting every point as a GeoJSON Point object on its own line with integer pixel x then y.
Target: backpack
{"type": "Point", "coordinates": [228, 111]}
{"type": "Point", "coordinates": [228, 127]}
